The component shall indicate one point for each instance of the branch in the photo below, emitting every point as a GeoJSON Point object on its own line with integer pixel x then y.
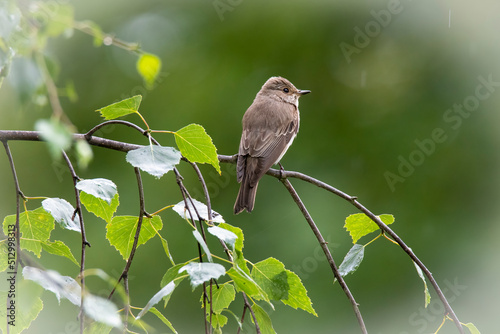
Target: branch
{"type": "Point", "coordinates": [85, 243]}
{"type": "Point", "coordinates": [18, 213]}
{"type": "Point", "coordinates": [186, 196]}
{"type": "Point", "coordinates": [5, 136]}
{"type": "Point", "coordinates": [142, 212]}
{"type": "Point", "coordinates": [249, 307]}
{"type": "Point", "coordinates": [328, 255]}
{"type": "Point", "coordinates": [352, 199]}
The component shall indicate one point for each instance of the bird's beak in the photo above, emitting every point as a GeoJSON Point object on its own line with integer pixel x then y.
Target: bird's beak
{"type": "Point", "coordinates": [303, 92]}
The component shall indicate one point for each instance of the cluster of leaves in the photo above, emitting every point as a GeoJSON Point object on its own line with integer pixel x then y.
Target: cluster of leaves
{"type": "Point", "coordinates": [26, 27]}
{"type": "Point", "coordinates": [264, 282]}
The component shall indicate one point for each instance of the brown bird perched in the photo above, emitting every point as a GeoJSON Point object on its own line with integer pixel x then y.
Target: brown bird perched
{"type": "Point", "coordinates": [269, 126]}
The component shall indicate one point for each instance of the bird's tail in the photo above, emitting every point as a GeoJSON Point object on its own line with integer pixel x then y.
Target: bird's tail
{"type": "Point", "coordinates": [246, 196]}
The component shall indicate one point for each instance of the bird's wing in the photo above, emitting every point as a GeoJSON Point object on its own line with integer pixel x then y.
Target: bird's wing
{"type": "Point", "coordinates": [266, 142]}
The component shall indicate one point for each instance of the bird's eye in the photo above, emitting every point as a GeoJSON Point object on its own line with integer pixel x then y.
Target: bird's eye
{"type": "Point", "coordinates": [285, 90]}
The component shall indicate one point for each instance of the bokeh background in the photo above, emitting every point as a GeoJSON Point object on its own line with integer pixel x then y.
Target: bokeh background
{"type": "Point", "coordinates": [367, 109]}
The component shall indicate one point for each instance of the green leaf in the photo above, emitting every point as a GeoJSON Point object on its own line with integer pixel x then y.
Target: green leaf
{"type": "Point", "coordinates": [271, 276]}
{"type": "Point", "coordinates": [297, 296]}
{"type": "Point", "coordinates": [10, 21]}
{"type": "Point", "coordinates": [263, 319]}
{"type": "Point", "coordinates": [155, 160]}
{"type": "Point", "coordinates": [35, 227]}
{"type": "Point", "coordinates": [100, 207]}
{"type": "Point", "coordinates": [245, 283]}
{"type": "Point", "coordinates": [358, 225]}
{"type": "Point", "coordinates": [97, 328]}
{"type": "Point", "coordinates": [196, 145]}
{"type": "Point", "coordinates": [121, 232]}
{"type": "Point", "coordinates": [426, 289]}
{"type": "Point", "coordinates": [238, 245]}
{"type": "Point", "coordinates": [101, 188]}
{"type": "Point", "coordinates": [172, 275]}
{"type": "Point", "coordinates": [121, 108]}
{"type": "Point", "coordinates": [84, 153]}
{"type": "Point", "coordinates": [166, 249]}
{"type": "Point", "coordinates": [163, 319]}
{"type": "Point", "coordinates": [239, 262]}
{"type": "Point", "coordinates": [102, 310]}
{"type": "Point", "coordinates": [203, 245]}
{"type": "Point", "coordinates": [26, 79]}
{"type": "Point", "coordinates": [57, 135]}
{"type": "Point", "coordinates": [225, 235]}
{"type": "Point", "coordinates": [200, 207]}
{"type": "Point", "coordinates": [166, 291]}
{"type": "Point", "coordinates": [62, 212]}
{"type": "Point", "coordinates": [149, 66]}
{"type": "Point", "coordinates": [472, 328]}
{"type": "Point", "coordinates": [61, 286]}
{"type": "Point", "coordinates": [222, 297]}
{"type": "Point", "coordinates": [5, 262]}
{"type": "Point", "coordinates": [202, 272]}
{"type": "Point", "coordinates": [218, 320]}
{"type": "Point", "coordinates": [282, 284]}
{"type": "Point", "coordinates": [27, 309]}
{"type": "Point", "coordinates": [352, 260]}
{"type": "Point", "coordinates": [59, 248]}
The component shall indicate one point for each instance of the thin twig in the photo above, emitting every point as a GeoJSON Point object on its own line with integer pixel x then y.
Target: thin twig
{"type": "Point", "coordinates": [205, 190]}
{"type": "Point", "coordinates": [137, 232]}
{"type": "Point", "coordinates": [324, 246]}
{"type": "Point", "coordinates": [16, 227]}
{"type": "Point", "coordinates": [126, 309]}
{"type": "Point", "coordinates": [186, 197]}
{"type": "Point", "coordinates": [249, 307]}
{"type": "Point", "coordinates": [51, 87]}
{"type": "Point", "coordinates": [85, 243]}
{"type": "Point", "coordinates": [91, 132]}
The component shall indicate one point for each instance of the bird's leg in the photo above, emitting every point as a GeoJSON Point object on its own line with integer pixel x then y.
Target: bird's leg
{"type": "Point", "coordinates": [281, 170]}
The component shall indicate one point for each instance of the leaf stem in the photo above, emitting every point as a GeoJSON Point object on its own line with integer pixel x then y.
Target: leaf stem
{"type": "Point", "coordinates": [378, 236]}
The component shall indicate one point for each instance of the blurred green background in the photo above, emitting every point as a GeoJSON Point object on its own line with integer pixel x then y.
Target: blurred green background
{"type": "Point", "coordinates": [367, 110]}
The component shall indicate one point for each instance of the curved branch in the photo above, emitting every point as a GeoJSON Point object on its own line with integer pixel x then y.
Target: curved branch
{"type": "Point", "coordinates": [352, 199]}
{"type": "Point", "coordinates": [16, 228]}
{"type": "Point", "coordinates": [246, 305]}
{"type": "Point", "coordinates": [142, 212]}
{"type": "Point", "coordinates": [186, 196]}
{"type": "Point", "coordinates": [90, 133]}
{"type": "Point", "coordinates": [85, 243]}
{"type": "Point", "coordinates": [328, 255]}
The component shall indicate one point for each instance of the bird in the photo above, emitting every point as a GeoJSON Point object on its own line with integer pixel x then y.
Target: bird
{"type": "Point", "coordinates": [270, 125]}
